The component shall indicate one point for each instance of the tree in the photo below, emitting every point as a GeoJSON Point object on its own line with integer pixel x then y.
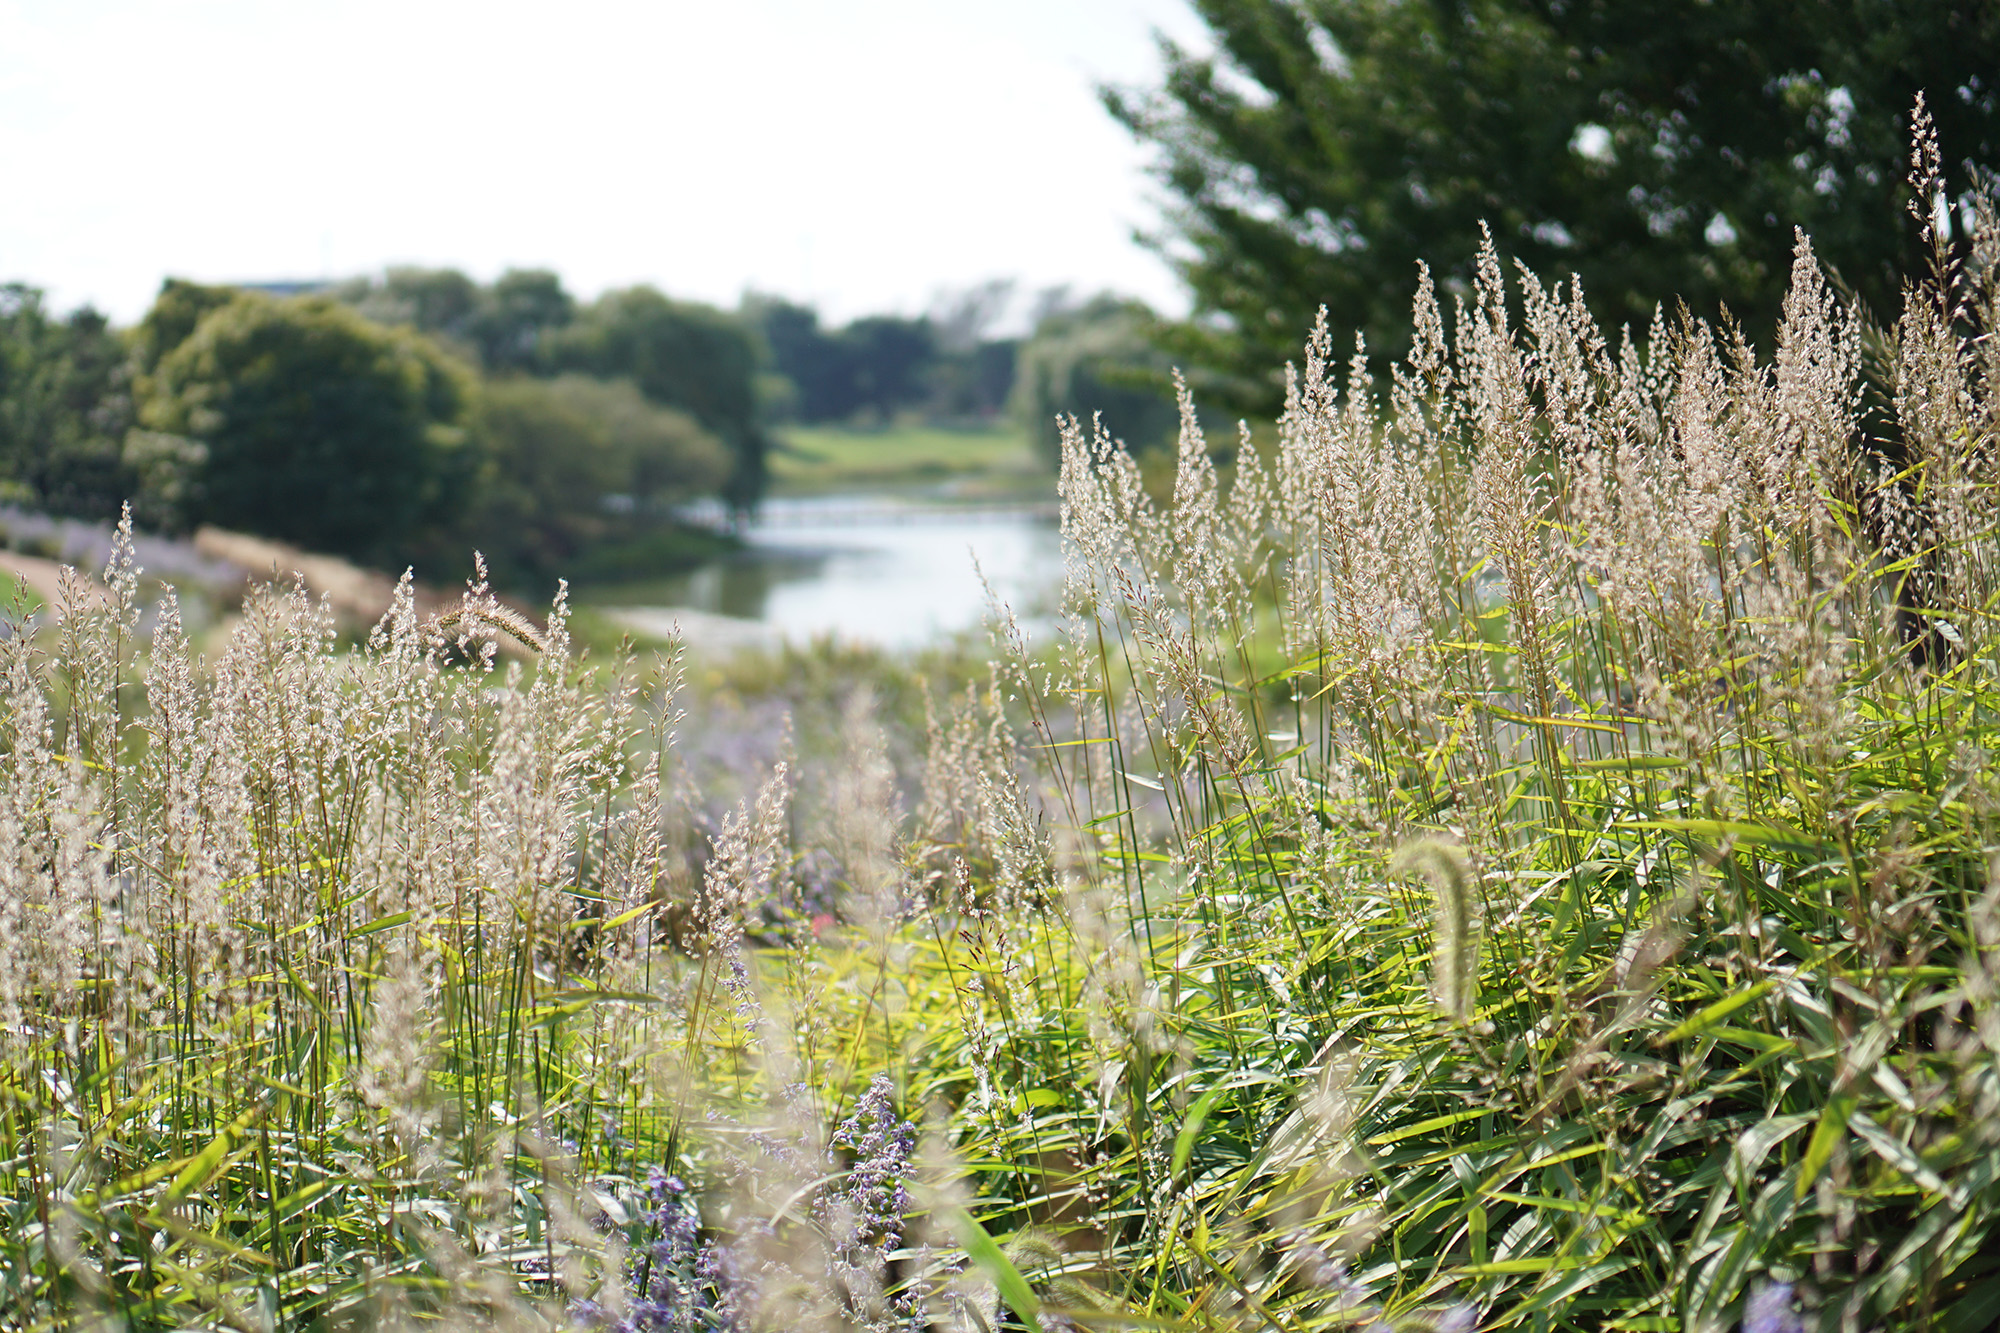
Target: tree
{"type": "Point", "coordinates": [974, 384]}
{"type": "Point", "coordinates": [974, 373]}
{"type": "Point", "coordinates": [440, 302]}
{"type": "Point", "coordinates": [892, 358]}
{"type": "Point", "coordinates": [318, 426]}
{"type": "Point", "coordinates": [171, 320]}
{"type": "Point", "coordinates": [812, 360]}
{"type": "Point", "coordinates": [574, 463]}
{"type": "Point", "coordinates": [1094, 360]}
{"type": "Point", "coordinates": [874, 367]}
{"type": "Point", "coordinates": [681, 355]}
{"type": "Point", "coordinates": [1660, 149]}
{"type": "Point", "coordinates": [516, 314]}
{"type": "Point", "coordinates": [501, 326]}
{"type": "Point", "coordinates": [65, 407]}
{"type": "Point", "coordinates": [942, 364]}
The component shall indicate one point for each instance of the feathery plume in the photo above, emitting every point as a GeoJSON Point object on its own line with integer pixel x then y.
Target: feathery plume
{"type": "Point", "coordinates": [1455, 921]}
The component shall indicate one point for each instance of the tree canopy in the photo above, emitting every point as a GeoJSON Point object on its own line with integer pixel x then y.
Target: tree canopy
{"type": "Point", "coordinates": [65, 406]}
{"type": "Point", "coordinates": [520, 309]}
{"type": "Point", "coordinates": [945, 364]}
{"type": "Point", "coordinates": [1658, 149]}
{"type": "Point", "coordinates": [315, 425]}
{"type": "Point", "coordinates": [500, 326]}
{"type": "Point", "coordinates": [574, 463]}
{"type": "Point", "coordinates": [683, 355]}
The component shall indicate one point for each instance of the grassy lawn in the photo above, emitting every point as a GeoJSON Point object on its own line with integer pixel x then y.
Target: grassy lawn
{"type": "Point", "coordinates": [816, 458]}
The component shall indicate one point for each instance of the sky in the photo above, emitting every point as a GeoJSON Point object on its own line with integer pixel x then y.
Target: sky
{"type": "Point", "coordinates": [861, 155]}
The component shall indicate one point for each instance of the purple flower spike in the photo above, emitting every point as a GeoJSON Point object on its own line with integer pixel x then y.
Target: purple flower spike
{"type": "Point", "coordinates": [876, 1191]}
{"type": "Point", "coordinates": [1769, 1310]}
{"type": "Point", "coordinates": [1458, 1319]}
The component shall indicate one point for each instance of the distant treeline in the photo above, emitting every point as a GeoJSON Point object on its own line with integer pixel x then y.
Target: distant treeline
{"type": "Point", "coordinates": [1081, 357]}
{"type": "Point", "coordinates": [946, 366]}
{"type": "Point", "coordinates": [408, 419]}
{"type": "Point", "coordinates": [772, 361]}
{"type": "Point", "coordinates": [415, 416]}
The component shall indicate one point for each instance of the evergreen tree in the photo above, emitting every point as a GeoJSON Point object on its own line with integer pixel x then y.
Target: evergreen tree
{"type": "Point", "coordinates": [1659, 149]}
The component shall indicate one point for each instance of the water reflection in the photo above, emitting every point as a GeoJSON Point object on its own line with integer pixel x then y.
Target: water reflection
{"type": "Point", "coordinates": [870, 570]}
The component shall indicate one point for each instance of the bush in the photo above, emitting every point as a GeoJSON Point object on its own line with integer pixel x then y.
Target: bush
{"type": "Point", "coordinates": [316, 427]}
{"type": "Point", "coordinates": [572, 469]}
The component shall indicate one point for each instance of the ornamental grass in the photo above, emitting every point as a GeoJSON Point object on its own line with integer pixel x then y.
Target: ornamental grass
{"type": "Point", "coordinates": [1519, 852]}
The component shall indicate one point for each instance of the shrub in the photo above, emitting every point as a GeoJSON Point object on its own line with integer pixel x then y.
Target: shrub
{"type": "Point", "coordinates": [573, 468]}
{"type": "Point", "coordinates": [316, 427]}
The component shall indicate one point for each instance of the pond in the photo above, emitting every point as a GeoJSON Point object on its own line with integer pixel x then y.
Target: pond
{"type": "Point", "coordinates": [875, 570]}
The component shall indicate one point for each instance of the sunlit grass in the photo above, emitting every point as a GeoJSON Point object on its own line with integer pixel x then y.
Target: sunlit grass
{"type": "Point", "coordinates": [818, 458]}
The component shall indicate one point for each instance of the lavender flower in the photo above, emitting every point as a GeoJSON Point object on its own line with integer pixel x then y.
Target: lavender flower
{"type": "Point", "coordinates": [683, 1283]}
{"type": "Point", "coordinates": [1317, 1268]}
{"type": "Point", "coordinates": [1769, 1310]}
{"type": "Point", "coordinates": [674, 1277]}
{"type": "Point", "coordinates": [876, 1194]}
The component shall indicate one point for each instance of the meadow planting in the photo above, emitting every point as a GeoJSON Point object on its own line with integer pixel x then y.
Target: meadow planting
{"type": "Point", "coordinates": [1517, 852]}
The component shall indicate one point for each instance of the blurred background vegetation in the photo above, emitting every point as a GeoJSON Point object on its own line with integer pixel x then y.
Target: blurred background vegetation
{"type": "Point", "coordinates": [1315, 153]}
{"type": "Point", "coordinates": [1663, 151]}
{"type": "Point", "coordinates": [418, 414]}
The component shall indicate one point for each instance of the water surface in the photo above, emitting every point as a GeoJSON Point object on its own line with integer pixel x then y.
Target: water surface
{"type": "Point", "coordinates": [863, 569]}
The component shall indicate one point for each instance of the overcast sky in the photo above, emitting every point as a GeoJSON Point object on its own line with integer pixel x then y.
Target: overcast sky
{"type": "Point", "coordinates": [860, 154]}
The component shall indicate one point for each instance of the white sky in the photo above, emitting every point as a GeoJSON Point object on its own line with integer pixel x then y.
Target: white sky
{"type": "Point", "coordinates": [860, 154]}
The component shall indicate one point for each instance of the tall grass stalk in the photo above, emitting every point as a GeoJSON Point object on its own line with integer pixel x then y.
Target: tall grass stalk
{"type": "Point", "coordinates": [1518, 852]}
